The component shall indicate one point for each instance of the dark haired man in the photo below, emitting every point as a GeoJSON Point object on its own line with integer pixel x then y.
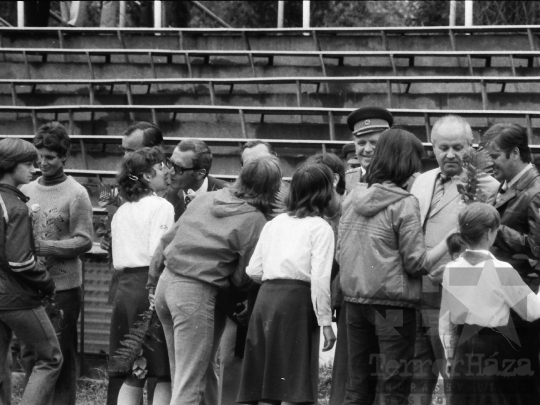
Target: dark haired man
{"type": "Point", "coordinates": [518, 236]}
{"type": "Point", "coordinates": [189, 168]}
{"type": "Point", "coordinates": [518, 200]}
{"type": "Point", "coordinates": [141, 134]}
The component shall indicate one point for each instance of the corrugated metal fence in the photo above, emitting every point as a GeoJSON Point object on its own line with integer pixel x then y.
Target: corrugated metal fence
{"type": "Point", "coordinates": [97, 313]}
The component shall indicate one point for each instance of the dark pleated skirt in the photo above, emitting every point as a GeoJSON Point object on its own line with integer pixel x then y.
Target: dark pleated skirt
{"type": "Point", "coordinates": [279, 358]}
{"type": "Point", "coordinates": [490, 369]}
{"type": "Point", "coordinates": [130, 301]}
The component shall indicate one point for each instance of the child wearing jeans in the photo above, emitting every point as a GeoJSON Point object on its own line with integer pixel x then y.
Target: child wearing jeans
{"type": "Point", "coordinates": [481, 346]}
{"type": "Point", "coordinates": [23, 285]}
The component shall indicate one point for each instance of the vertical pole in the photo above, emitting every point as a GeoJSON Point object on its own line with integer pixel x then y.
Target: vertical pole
{"type": "Point", "coordinates": [280, 13]}
{"type": "Point", "coordinates": [157, 14]}
{"type": "Point", "coordinates": [20, 14]}
{"type": "Point", "coordinates": [122, 14]}
{"type": "Point", "coordinates": [469, 13]}
{"type": "Point", "coordinates": [305, 13]}
{"type": "Point", "coordinates": [452, 17]}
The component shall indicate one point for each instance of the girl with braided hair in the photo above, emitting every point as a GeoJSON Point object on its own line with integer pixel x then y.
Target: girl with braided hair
{"type": "Point", "coordinates": [137, 228]}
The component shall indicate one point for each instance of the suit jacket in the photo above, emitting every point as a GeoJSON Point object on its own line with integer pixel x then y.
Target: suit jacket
{"type": "Point", "coordinates": [177, 199]}
{"type": "Point", "coordinates": [518, 238]}
{"type": "Point", "coordinates": [444, 217]}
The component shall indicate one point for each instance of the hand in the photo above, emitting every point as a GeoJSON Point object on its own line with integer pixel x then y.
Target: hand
{"type": "Point", "coordinates": [242, 316]}
{"type": "Point", "coordinates": [152, 299]}
{"type": "Point", "coordinates": [436, 276]}
{"type": "Point", "coordinates": [105, 243]}
{"type": "Point", "coordinates": [329, 338]}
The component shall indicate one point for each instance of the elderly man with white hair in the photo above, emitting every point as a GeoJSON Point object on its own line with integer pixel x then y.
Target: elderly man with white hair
{"type": "Point", "coordinates": [440, 205]}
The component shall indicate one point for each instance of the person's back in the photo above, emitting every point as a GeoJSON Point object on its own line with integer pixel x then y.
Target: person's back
{"type": "Point", "coordinates": [385, 221]}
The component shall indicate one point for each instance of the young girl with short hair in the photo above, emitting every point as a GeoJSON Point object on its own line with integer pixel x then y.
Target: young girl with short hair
{"type": "Point", "coordinates": [136, 229]}
{"type": "Point", "coordinates": [485, 359]}
{"type": "Point", "coordinates": [293, 260]}
{"type": "Point", "coordinates": [24, 285]}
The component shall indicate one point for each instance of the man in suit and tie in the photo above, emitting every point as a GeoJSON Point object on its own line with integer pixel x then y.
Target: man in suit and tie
{"type": "Point", "coordinates": [189, 168]}
{"type": "Point", "coordinates": [518, 236]}
{"type": "Point", "coordinates": [440, 205]}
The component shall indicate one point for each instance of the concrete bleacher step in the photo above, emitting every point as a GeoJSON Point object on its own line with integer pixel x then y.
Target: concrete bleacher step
{"type": "Point", "coordinates": [421, 97]}
{"type": "Point", "coordinates": [77, 67]}
{"type": "Point", "coordinates": [71, 70]}
{"type": "Point", "coordinates": [393, 38]}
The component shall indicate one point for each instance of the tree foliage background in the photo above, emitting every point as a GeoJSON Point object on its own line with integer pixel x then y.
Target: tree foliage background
{"type": "Point", "coordinates": [336, 13]}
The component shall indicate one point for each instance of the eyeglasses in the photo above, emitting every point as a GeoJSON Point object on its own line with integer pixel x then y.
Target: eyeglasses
{"type": "Point", "coordinates": [177, 168]}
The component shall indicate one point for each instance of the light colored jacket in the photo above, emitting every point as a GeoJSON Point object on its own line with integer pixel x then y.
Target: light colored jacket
{"type": "Point", "coordinates": [212, 241]}
{"type": "Point", "coordinates": [442, 220]}
{"type": "Point", "coordinates": [381, 248]}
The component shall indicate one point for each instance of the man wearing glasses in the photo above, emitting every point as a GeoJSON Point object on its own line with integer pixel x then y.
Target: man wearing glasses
{"type": "Point", "coordinates": [189, 166]}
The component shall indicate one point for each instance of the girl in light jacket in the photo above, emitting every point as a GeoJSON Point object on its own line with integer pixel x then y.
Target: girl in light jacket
{"type": "Point", "coordinates": [382, 254]}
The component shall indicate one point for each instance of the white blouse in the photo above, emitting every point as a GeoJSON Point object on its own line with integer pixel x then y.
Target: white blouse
{"type": "Point", "coordinates": [297, 249]}
{"type": "Point", "coordinates": [482, 295]}
{"type": "Point", "coordinates": [137, 228]}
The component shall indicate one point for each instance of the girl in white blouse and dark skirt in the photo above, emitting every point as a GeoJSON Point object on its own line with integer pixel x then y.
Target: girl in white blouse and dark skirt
{"type": "Point", "coordinates": [136, 229]}
{"type": "Point", "coordinates": [484, 354]}
{"type": "Point", "coordinates": [293, 260]}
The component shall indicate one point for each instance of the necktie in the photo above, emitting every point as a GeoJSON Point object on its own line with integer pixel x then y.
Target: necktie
{"type": "Point", "coordinates": [501, 193]}
{"type": "Point", "coordinates": [187, 199]}
{"type": "Point", "coordinates": [439, 192]}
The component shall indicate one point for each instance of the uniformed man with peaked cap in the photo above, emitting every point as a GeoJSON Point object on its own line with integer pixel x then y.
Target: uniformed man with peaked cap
{"type": "Point", "coordinates": [366, 125]}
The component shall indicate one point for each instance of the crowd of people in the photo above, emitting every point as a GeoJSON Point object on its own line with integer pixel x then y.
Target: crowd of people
{"type": "Point", "coordinates": [422, 279]}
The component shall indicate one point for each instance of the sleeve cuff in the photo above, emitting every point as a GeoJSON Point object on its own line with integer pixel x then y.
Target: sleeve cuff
{"type": "Point", "coordinates": [325, 320]}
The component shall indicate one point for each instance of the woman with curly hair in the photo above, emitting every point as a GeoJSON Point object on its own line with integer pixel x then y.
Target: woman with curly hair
{"type": "Point", "coordinates": [137, 228]}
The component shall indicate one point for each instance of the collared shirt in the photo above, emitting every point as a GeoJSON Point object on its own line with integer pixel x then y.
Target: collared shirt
{"type": "Point", "coordinates": [482, 294]}
{"type": "Point", "coordinates": [203, 189]}
{"type": "Point", "coordinates": [518, 176]}
{"type": "Point", "coordinates": [297, 249]}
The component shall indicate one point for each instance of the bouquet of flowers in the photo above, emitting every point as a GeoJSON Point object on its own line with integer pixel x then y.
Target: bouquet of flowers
{"type": "Point", "coordinates": [110, 200]}
{"type": "Point", "coordinates": [130, 356]}
{"type": "Point", "coordinates": [476, 164]}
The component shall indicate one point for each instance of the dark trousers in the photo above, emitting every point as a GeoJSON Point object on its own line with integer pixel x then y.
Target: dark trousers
{"type": "Point", "coordinates": [491, 368]}
{"type": "Point", "coordinates": [63, 315]}
{"type": "Point", "coordinates": [381, 349]}
{"type": "Point", "coordinates": [340, 369]}
{"type": "Point", "coordinates": [34, 329]}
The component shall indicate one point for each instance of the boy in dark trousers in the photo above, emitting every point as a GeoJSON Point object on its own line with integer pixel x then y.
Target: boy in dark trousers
{"type": "Point", "coordinates": [23, 286]}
